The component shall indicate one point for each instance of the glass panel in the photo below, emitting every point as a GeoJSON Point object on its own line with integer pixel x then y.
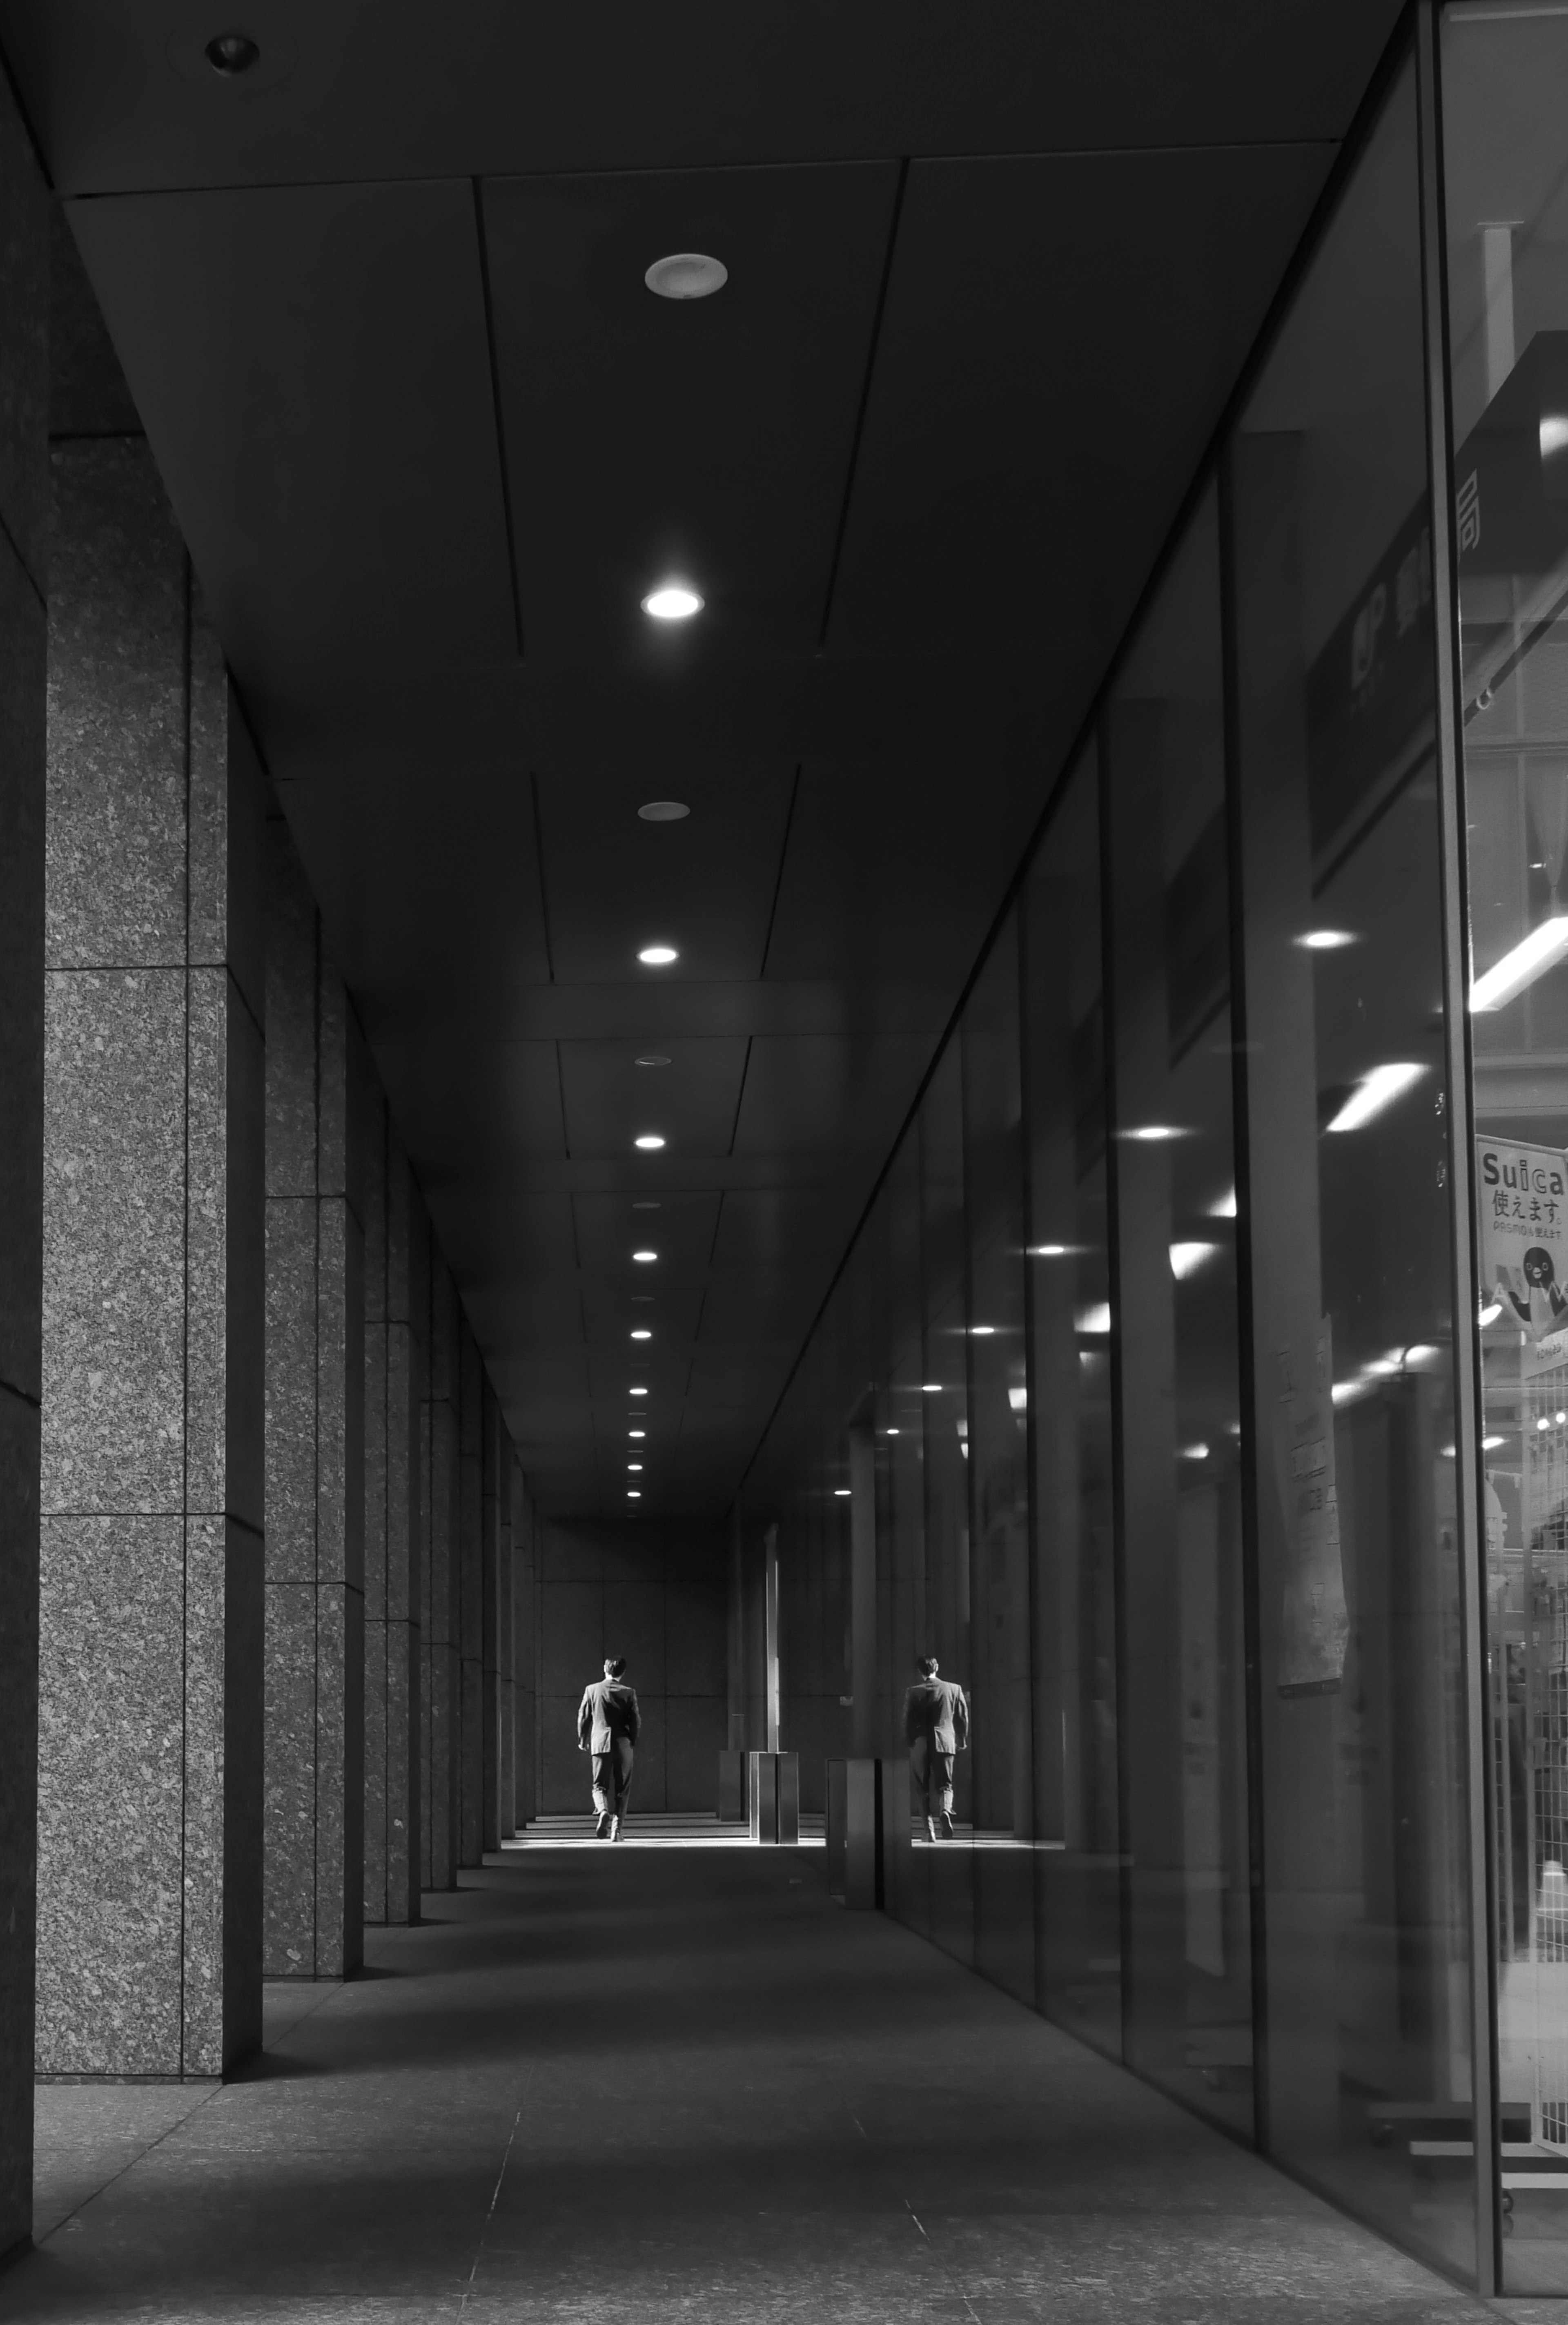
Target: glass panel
{"type": "Point", "coordinates": [1078, 1917]}
{"type": "Point", "coordinates": [945, 1405]}
{"type": "Point", "coordinates": [1002, 1742]}
{"type": "Point", "coordinates": [1188, 2010]}
{"type": "Point", "coordinates": [1506, 107]}
{"type": "Point", "coordinates": [1358, 1582]}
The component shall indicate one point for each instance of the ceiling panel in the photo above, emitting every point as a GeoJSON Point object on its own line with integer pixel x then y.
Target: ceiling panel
{"type": "Point", "coordinates": [610, 1100]}
{"type": "Point", "coordinates": [455, 1100]}
{"type": "Point", "coordinates": [825, 1094]}
{"type": "Point", "coordinates": [744, 1306]}
{"type": "Point", "coordinates": [706, 884]}
{"type": "Point", "coordinates": [1019, 466]}
{"type": "Point", "coordinates": [679, 1227]}
{"type": "Point", "coordinates": [765, 1228]}
{"type": "Point", "coordinates": [121, 98]}
{"type": "Point", "coordinates": [321, 413]}
{"type": "Point", "coordinates": [726, 464]}
{"type": "Point", "coordinates": [612, 1316]}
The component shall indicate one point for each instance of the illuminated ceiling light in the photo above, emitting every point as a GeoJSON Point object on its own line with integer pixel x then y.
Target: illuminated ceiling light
{"type": "Point", "coordinates": [982, 1331]}
{"type": "Point", "coordinates": [1554, 434]}
{"type": "Point", "coordinates": [1490, 1444]}
{"type": "Point", "coordinates": [1194, 1452]}
{"type": "Point", "coordinates": [657, 956]}
{"type": "Point", "coordinates": [672, 602]}
{"type": "Point", "coordinates": [1327, 939]}
{"type": "Point", "coordinates": [633, 1469]}
{"type": "Point", "coordinates": [645, 1257]}
{"type": "Point", "coordinates": [686, 274]}
{"type": "Point", "coordinates": [642, 1332]}
{"type": "Point", "coordinates": [663, 810]}
{"type": "Point", "coordinates": [1047, 1251]}
{"type": "Point", "coordinates": [1187, 1258]}
{"type": "Point", "coordinates": [1151, 1132]}
{"type": "Point", "coordinates": [930, 1388]}
{"type": "Point", "coordinates": [1225, 1208]}
{"type": "Point", "coordinates": [1093, 1320]}
{"type": "Point", "coordinates": [652, 1059]}
{"type": "Point", "coordinates": [232, 53]}
{"type": "Point", "coordinates": [841, 1493]}
{"type": "Point", "coordinates": [633, 1494]}
{"type": "Point", "coordinates": [650, 1143]}
{"type": "Point", "coordinates": [1375, 1092]}
{"type": "Point", "coordinates": [1540, 950]}
{"type": "Point", "coordinates": [637, 1433]}
{"type": "Point", "coordinates": [1542, 1423]}
{"type": "Point", "coordinates": [637, 1392]}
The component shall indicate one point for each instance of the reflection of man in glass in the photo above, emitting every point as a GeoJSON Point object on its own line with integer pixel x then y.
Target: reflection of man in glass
{"type": "Point", "coordinates": [935, 1726]}
{"type": "Point", "coordinates": [608, 1725]}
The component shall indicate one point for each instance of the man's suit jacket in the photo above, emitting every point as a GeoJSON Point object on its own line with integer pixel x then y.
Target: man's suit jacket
{"type": "Point", "coordinates": [937, 1710]}
{"type": "Point", "coordinates": [608, 1710]}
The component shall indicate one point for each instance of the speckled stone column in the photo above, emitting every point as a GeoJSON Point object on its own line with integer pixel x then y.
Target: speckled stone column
{"type": "Point", "coordinates": [23, 532]}
{"type": "Point", "coordinates": [395, 1263]}
{"type": "Point", "coordinates": [506, 1705]}
{"type": "Point", "coordinates": [471, 1563]}
{"type": "Point", "coordinates": [438, 1659]}
{"type": "Point", "coordinates": [149, 1780]}
{"type": "Point", "coordinates": [318, 1093]}
{"type": "Point", "coordinates": [525, 1791]}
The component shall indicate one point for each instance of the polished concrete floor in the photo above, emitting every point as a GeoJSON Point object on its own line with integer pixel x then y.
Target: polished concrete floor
{"type": "Point", "coordinates": [658, 2084]}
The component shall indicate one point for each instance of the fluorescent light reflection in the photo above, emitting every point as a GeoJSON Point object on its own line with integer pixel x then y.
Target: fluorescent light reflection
{"type": "Point", "coordinates": [1375, 1093]}
{"type": "Point", "coordinates": [1326, 939]}
{"type": "Point", "coordinates": [1150, 1133]}
{"type": "Point", "coordinates": [841, 1493]}
{"type": "Point", "coordinates": [1194, 1452]}
{"type": "Point", "coordinates": [1187, 1258]}
{"type": "Point", "coordinates": [1093, 1320]}
{"type": "Point", "coordinates": [1490, 1444]}
{"type": "Point", "coordinates": [1225, 1208]}
{"type": "Point", "coordinates": [1541, 950]}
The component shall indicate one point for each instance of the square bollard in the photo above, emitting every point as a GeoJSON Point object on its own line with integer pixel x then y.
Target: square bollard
{"type": "Point", "coordinates": [774, 1785]}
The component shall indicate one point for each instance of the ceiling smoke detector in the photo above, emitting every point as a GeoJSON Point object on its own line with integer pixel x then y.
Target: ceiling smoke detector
{"type": "Point", "coordinates": [686, 274]}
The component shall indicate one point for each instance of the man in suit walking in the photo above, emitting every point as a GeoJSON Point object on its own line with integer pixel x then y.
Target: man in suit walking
{"type": "Point", "coordinates": [935, 1726]}
{"type": "Point", "coordinates": [608, 1726]}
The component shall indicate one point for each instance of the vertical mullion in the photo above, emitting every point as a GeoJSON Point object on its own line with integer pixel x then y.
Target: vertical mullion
{"type": "Point", "coordinates": [1469, 1482]}
{"type": "Point", "coordinates": [1108, 997]}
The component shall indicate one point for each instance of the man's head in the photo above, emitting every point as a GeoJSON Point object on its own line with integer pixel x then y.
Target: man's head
{"type": "Point", "coordinates": [927, 1664]}
{"type": "Point", "coordinates": [614, 1666]}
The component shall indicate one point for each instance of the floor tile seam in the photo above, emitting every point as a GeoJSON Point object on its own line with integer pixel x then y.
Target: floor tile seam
{"type": "Point", "coordinates": [140, 2156]}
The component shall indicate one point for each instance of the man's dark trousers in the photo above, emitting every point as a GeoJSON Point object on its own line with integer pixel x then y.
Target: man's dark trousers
{"type": "Point", "coordinates": [613, 1767]}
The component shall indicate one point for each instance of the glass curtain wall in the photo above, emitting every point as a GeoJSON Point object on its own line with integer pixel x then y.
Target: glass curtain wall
{"type": "Point", "coordinates": [1155, 1335]}
{"type": "Point", "coordinates": [1505, 120]}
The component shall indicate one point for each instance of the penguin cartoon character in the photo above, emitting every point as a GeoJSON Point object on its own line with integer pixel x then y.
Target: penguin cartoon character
{"type": "Point", "coordinates": [1535, 1297]}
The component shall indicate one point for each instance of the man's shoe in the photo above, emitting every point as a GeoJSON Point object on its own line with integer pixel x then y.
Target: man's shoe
{"type": "Point", "coordinates": [615, 1828]}
{"type": "Point", "coordinates": [602, 1828]}
{"type": "Point", "coordinates": [947, 1823]}
{"type": "Point", "coordinates": [930, 1828]}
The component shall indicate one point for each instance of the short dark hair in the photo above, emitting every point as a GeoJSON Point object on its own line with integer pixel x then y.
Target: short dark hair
{"type": "Point", "coordinates": [927, 1664]}
{"type": "Point", "coordinates": [614, 1665]}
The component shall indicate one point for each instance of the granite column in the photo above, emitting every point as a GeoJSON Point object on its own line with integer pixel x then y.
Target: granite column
{"type": "Point", "coordinates": [149, 1779]}
{"type": "Point", "coordinates": [472, 1566]}
{"type": "Point", "coordinates": [317, 1098]}
{"type": "Point", "coordinates": [439, 1651]}
{"type": "Point", "coordinates": [396, 1265]}
{"type": "Point", "coordinates": [23, 532]}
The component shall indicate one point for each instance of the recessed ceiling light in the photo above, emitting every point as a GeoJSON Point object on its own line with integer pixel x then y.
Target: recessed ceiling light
{"type": "Point", "coordinates": [657, 956]}
{"type": "Point", "coordinates": [634, 1468]}
{"type": "Point", "coordinates": [686, 274]}
{"type": "Point", "coordinates": [1326, 939]}
{"type": "Point", "coordinates": [637, 1433]}
{"type": "Point", "coordinates": [652, 1058]}
{"type": "Point", "coordinates": [1150, 1133]}
{"type": "Point", "coordinates": [663, 810]}
{"type": "Point", "coordinates": [982, 1331]}
{"type": "Point", "coordinates": [641, 1333]}
{"type": "Point", "coordinates": [645, 1257]}
{"type": "Point", "coordinates": [841, 1493]}
{"type": "Point", "coordinates": [633, 1495]}
{"type": "Point", "coordinates": [931, 1388]}
{"type": "Point", "coordinates": [647, 1207]}
{"type": "Point", "coordinates": [637, 1392]}
{"type": "Point", "coordinates": [232, 53]}
{"type": "Point", "coordinates": [892, 1433]}
{"type": "Point", "coordinates": [672, 601]}
{"type": "Point", "coordinates": [1048, 1250]}
{"type": "Point", "coordinates": [650, 1143]}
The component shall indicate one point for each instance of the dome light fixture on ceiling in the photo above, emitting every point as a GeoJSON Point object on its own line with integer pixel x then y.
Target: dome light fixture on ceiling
{"type": "Point", "coordinates": [637, 1392]}
{"type": "Point", "coordinates": [643, 1333]}
{"type": "Point", "coordinates": [650, 1143]}
{"type": "Point", "coordinates": [633, 1495]}
{"type": "Point", "coordinates": [232, 53]}
{"type": "Point", "coordinates": [672, 601]}
{"type": "Point", "coordinates": [657, 956]}
{"type": "Point", "coordinates": [645, 1257]}
{"type": "Point", "coordinates": [663, 810]}
{"type": "Point", "coordinates": [686, 274]}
